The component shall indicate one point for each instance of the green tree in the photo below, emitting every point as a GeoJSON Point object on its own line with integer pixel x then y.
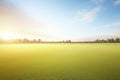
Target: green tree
{"type": "Point", "coordinates": [117, 40]}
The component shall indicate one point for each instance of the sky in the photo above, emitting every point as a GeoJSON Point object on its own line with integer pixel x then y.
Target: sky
{"type": "Point", "coordinates": [78, 20]}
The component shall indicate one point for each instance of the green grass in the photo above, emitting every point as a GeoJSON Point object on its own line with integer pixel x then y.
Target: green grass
{"type": "Point", "coordinates": [60, 62]}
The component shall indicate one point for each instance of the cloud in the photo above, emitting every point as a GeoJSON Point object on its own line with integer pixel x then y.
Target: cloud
{"type": "Point", "coordinates": [117, 2]}
{"type": "Point", "coordinates": [90, 15]}
{"type": "Point", "coordinates": [98, 1]}
{"type": "Point", "coordinates": [83, 17]}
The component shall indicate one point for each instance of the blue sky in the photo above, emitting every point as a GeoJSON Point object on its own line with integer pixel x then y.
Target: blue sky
{"type": "Point", "coordinates": [67, 19]}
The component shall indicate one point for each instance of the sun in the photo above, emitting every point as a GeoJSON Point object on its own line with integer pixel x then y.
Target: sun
{"type": "Point", "coordinates": [8, 35]}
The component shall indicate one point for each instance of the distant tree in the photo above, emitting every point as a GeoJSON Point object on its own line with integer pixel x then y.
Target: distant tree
{"type": "Point", "coordinates": [103, 41]}
{"type": "Point", "coordinates": [34, 41]}
{"type": "Point", "coordinates": [117, 40]}
{"type": "Point", "coordinates": [109, 40]}
{"type": "Point", "coordinates": [39, 40]}
{"type": "Point", "coordinates": [69, 41]}
{"type": "Point", "coordinates": [97, 41]}
{"type": "Point", "coordinates": [63, 41]}
{"type": "Point", "coordinates": [112, 40]}
{"type": "Point", "coordinates": [25, 40]}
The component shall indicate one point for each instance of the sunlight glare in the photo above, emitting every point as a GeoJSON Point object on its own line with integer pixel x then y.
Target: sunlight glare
{"type": "Point", "coordinates": [9, 35]}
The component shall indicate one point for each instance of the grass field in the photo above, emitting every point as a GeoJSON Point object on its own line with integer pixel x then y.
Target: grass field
{"type": "Point", "coordinates": [60, 62]}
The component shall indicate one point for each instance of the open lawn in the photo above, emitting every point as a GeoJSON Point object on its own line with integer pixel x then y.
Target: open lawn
{"type": "Point", "coordinates": [60, 61]}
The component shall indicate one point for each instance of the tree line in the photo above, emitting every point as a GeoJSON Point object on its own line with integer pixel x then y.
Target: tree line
{"type": "Point", "coordinates": [112, 40]}
{"type": "Point", "coordinates": [25, 40]}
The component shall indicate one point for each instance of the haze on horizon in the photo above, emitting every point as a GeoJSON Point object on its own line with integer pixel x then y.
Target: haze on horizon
{"type": "Point", "coordinates": [60, 19]}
